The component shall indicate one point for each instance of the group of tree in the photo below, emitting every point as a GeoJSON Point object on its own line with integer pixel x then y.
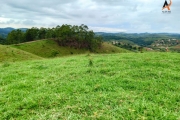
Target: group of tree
{"type": "Point", "coordinates": [2, 40]}
{"type": "Point", "coordinates": [65, 35]}
{"type": "Point", "coordinates": [129, 46]}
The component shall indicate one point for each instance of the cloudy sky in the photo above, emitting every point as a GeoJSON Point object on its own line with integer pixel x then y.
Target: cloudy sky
{"type": "Point", "coordinates": [131, 16]}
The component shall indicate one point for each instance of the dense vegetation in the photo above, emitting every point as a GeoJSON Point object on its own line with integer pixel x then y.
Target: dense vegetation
{"type": "Point", "coordinates": [2, 40]}
{"type": "Point", "coordinates": [130, 86]}
{"type": "Point", "coordinates": [81, 37]}
{"type": "Point", "coordinates": [65, 35]}
{"type": "Point", "coordinates": [5, 31]}
{"type": "Point", "coordinates": [141, 39]}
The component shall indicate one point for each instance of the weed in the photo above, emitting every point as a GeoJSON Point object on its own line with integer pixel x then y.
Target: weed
{"type": "Point", "coordinates": [6, 64]}
{"type": "Point", "coordinates": [88, 55]}
{"type": "Point", "coordinates": [90, 62]}
{"type": "Point", "coordinates": [54, 53]}
{"type": "Point", "coordinates": [71, 53]}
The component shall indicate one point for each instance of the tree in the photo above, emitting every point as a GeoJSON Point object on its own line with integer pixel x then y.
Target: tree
{"type": "Point", "coordinates": [31, 34]}
{"type": "Point", "coordinates": [50, 33]}
{"type": "Point", "coordinates": [77, 37]}
{"type": "Point", "coordinates": [66, 35]}
{"type": "Point", "coordinates": [2, 40]}
{"type": "Point", "coordinates": [15, 37]}
{"type": "Point", "coordinates": [42, 33]}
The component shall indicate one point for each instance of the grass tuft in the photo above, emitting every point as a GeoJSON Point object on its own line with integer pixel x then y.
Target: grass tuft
{"type": "Point", "coordinates": [90, 62]}
{"type": "Point", "coordinates": [6, 64]}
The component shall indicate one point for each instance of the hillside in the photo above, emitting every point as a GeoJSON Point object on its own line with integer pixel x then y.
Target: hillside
{"type": "Point", "coordinates": [175, 48]}
{"type": "Point", "coordinates": [9, 54]}
{"type": "Point", "coordinates": [125, 86]}
{"type": "Point", "coordinates": [141, 39]}
{"type": "Point", "coordinates": [49, 48]}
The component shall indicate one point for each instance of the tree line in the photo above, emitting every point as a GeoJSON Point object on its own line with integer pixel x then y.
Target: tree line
{"type": "Point", "coordinates": [65, 35]}
{"type": "Point", "coordinates": [2, 40]}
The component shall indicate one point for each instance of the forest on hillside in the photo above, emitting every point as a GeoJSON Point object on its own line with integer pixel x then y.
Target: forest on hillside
{"type": "Point", "coordinates": [66, 35]}
{"type": "Point", "coordinates": [81, 37]}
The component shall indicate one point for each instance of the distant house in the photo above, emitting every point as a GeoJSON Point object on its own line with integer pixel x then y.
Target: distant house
{"type": "Point", "coordinates": [113, 42]}
{"type": "Point", "coordinates": [149, 49]}
{"type": "Point", "coordinates": [157, 44]}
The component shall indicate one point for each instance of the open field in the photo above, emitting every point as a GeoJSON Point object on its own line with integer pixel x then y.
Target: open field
{"type": "Point", "coordinates": [104, 86]}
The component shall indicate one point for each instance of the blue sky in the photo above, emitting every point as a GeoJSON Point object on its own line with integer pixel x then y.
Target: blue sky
{"type": "Point", "coordinates": [131, 16]}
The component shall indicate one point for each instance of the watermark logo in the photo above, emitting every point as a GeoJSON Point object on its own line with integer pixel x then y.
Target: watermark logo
{"type": "Point", "coordinates": [166, 7]}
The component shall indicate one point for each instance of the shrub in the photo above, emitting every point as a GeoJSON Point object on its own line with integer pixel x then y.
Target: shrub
{"type": "Point", "coordinates": [54, 53]}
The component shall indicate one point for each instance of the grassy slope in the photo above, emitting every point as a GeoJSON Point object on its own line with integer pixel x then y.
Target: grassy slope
{"type": "Point", "coordinates": [177, 48]}
{"type": "Point", "coordinates": [9, 54]}
{"type": "Point", "coordinates": [109, 48]}
{"type": "Point", "coordinates": [48, 48]}
{"type": "Point", "coordinates": [117, 86]}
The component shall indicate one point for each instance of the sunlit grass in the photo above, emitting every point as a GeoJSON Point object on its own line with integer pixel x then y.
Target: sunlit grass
{"type": "Point", "coordinates": [9, 54]}
{"type": "Point", "coordinates": [114, 86]}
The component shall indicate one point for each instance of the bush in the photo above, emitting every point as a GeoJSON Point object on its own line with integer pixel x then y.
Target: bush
{"type": "Point", "coordinates": [54, 53]}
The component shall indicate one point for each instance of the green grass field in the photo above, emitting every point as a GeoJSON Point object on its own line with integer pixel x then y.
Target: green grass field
{"type": "Point", "coordinates": [126, 86]}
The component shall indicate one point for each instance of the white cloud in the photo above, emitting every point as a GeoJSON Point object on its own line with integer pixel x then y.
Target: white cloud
{"type": "Point", "coordinates": [104, 15]}
{"type": "Point", "coordinates": [107, 29]}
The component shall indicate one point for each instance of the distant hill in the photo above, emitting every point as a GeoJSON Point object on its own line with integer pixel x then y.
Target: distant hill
{"type": "Point", "coordinates": [141, 39]}
{"type": "Point", "coordinates": [49, 49]}
{"type": "Point", "coordinates": [4, 31]}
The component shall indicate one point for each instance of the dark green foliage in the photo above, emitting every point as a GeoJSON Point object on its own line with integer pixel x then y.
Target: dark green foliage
{"type": "Point", "coordinates": [31, 34]}
{"type": "Point", "coordinates": [90, 62]}
{"type": "Point", "coordinates": [126, 46]}
{"type": "Point", "coordinates": [140, 49]}
{"type": "Point", "coordinates": [2, 40]}
{"type": "Point", "coordinates": [42, 33]}
{"type": "Point", "coordinates": [50, 33]}
{"type": "Point", "coordinates": [15, 37]}
{"type": "Point", "coordinates": [77, 37]}
{"type": "Point", "coordinates": [54, 53]}
{"type": "Point", "coordinates": [66, 35]}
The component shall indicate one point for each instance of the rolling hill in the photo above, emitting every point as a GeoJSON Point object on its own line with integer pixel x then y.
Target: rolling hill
{"type": "Point", "coordinates": [10, 54]}
{"type": "Point", "coordinates": [49, 49]}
